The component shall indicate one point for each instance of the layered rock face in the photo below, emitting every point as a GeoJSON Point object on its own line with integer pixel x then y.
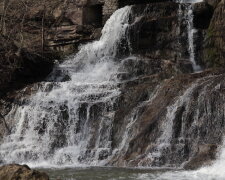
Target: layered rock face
{"type": "Point", "coordinates": [150, 111]}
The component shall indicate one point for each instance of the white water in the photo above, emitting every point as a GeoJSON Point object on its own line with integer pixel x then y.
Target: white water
{"type": "Point", "coordinates": [54, 127]}
{"type": "Point", "coordinates": [191, 32]}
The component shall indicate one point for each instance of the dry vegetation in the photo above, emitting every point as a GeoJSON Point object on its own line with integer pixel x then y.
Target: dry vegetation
{"type": "Point", "coordinates": [26, 29]}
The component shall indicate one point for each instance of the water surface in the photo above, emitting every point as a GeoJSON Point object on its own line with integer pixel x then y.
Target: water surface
{"type": "Point", "coordinates": [97, 173]}
{"type": "Point", "coordinates": [108, 173]}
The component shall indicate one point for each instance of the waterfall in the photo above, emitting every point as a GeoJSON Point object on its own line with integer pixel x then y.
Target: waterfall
{"type": "Point", "coordinates": [191, 31]}
{"type": "Point", "coordinates": [69, 120]}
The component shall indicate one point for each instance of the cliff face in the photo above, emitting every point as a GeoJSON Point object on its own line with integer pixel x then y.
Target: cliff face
{"type": "Point", "coordinates": [213, 53]}
{"type": "Point", "coordinates": [164, 116]}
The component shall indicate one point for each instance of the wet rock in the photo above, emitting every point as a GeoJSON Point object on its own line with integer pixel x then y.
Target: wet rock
{"type": "Point", "coordinates": [14, 171]}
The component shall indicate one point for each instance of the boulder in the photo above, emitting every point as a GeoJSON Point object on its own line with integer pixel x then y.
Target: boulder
{"type": "Point", "coordinates": [21, 172]}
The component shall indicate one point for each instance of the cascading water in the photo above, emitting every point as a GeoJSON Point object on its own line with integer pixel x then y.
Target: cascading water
{"type": "Point", "coordinates": [69, 120]}
{"type": "Point", "coordinates": [191, 31]}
